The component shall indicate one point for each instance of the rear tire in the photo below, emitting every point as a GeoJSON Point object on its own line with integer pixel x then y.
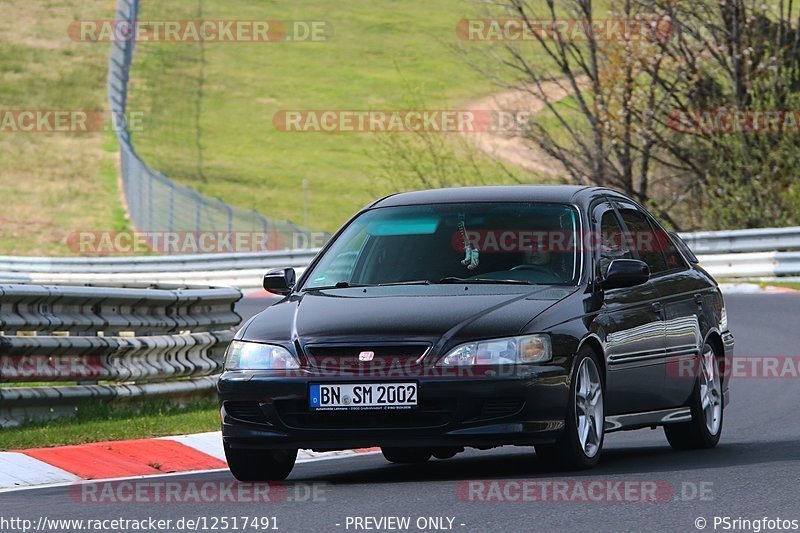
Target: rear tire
{"type": "Point", "coordinates": [260, 465]}
{"type": "Point", "coordinates": [705, 429]}
{"type": "Point", "coordinates": [580, 444]}
{"type": "Point", "coordinates": [406, 455]}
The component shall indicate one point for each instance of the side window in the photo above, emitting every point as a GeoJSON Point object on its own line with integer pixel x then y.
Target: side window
{"type": "Point", "coordinates": [612, 245]}
{"type": "Point", "coordinates": [683, 247]}
{"type": "Point", "coordinates": [668, 247]}
{"type": "Point", "coordinates": [645, 240]}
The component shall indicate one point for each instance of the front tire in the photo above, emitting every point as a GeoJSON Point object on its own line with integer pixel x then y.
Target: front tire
{"type": "Point", "coordinates": [581, 443]}
{"type": "Point", "coordinates": [705, 429]}
{"type": "Point", "coordinates": [406, 455]}
{"type": "Point", "coordinates": [260, 465]}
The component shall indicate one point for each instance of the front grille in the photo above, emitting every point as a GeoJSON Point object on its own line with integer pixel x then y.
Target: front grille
{"type": "Point", "coordinates": [429, 413]}
{"type": "Point", "coordinates": [500, 407]}
{"type": "Point", "coordinates": [386, 357]}
{"type": "Point", "coordinates": [246, 411]}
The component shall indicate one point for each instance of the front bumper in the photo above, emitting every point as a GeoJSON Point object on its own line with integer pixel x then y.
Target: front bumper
{"type": "Point", "coordinates": [261, 410]}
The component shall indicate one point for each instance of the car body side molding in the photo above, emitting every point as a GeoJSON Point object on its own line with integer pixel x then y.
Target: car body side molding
{"type": "Point", "coordinates": [651, 418]}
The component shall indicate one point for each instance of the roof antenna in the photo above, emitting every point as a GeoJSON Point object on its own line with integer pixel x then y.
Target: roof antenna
{"type": "Point", "coordinates": [471, 260]}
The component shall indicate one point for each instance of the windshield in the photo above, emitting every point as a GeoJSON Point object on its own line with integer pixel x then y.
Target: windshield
{"type": "Point", "coordinates": [453, 243]}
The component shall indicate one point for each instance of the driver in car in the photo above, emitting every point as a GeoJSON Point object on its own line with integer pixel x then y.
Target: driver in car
{"type": "Point", "coordinates": [536, 257]}
{"type": "Point", "coordinates": [538, 266]}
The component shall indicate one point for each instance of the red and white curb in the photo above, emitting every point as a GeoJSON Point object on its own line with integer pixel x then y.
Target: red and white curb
{"type": "Point", "coordinates": [127, 459]}
{"type": "Point", "coordinates": [19, 470]}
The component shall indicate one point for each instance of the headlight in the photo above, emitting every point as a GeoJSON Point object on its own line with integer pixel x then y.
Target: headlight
{"type": "Point", "coordinates": [509, 351]}
{"type": "Point", "coordinates": [254, 356]}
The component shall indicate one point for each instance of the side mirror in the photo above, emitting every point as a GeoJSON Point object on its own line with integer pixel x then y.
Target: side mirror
{"type": "Point", "coordinates": [280, 281]}
{"type": "Point", "coordinates": [626, 273]}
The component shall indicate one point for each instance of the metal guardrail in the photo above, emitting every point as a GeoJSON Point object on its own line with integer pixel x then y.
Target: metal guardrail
{"type": "Point", "coordinates": [745, 240]}
{"type": "Point", "coordinates": [748, 253]}
{"type": "Point", "coordinates": [113, 342]}
{"type": "Point", "coordinates": [244, 271]}
{"type": "Point", "coordinates": [154, 201]}
{"type": "Point", "coordinates": [752, 265]}
{"type": "Point", "coordinates": [174, 263]}
{"type": "Point", "coordinates": [725, 254]}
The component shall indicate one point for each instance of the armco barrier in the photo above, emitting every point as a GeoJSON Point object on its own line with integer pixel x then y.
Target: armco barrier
{"type": "Point", "coordinates": [752, 265]}
{"type": "Point", "coordinates": [725, 254]}
{"type": "Point", "coordinates": [244, 270]}
{"type": "Point", "coordinates": [110, 342]}
{"type": "Point", "coordinates": [748, 253]}
{"type": "Point", "coordinates": [744, 240]}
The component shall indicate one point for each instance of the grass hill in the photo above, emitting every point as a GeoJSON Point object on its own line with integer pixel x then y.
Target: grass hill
{"type": "Point", "coordinates": [210, 108]}
{"type": "Point", "coordinates": [51, 183]}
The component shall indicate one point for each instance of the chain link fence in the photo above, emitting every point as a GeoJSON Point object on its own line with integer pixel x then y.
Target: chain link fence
{"type": "Point", "coordinates": [157, 203]}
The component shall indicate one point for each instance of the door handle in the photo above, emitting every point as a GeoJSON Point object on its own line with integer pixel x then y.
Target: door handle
{"type": "Point", "coordinates": [656, 307]}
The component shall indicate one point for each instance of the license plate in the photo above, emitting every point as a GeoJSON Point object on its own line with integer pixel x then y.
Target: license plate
{"type": "Point", "coordinates": [362, 396]}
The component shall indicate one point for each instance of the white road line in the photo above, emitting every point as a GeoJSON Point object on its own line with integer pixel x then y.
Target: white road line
{"type": "Point", "coordinates": [18, 470]}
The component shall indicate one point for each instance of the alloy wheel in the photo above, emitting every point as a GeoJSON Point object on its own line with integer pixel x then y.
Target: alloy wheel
{"type": "Point", "coordinates": [710, 392]}
{"type": "Point", "coordinates": [589, 407]}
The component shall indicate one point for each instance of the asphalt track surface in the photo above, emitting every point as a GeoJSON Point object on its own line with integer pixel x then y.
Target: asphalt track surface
{"type": "Point", "coordinates": [753, 474]}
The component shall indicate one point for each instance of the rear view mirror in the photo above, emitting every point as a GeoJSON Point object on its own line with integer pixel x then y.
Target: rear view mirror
{"type": "Point", "coordinates": [626, 273]}
{"type": "Point", "coordinates": [280, 281]}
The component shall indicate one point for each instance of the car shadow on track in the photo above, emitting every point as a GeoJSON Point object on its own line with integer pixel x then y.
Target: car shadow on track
{"type": "Point", "coordinates": [522, 463]}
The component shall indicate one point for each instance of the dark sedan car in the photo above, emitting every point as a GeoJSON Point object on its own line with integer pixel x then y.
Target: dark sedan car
{"type": "Point", "coordinates": [540, 316]}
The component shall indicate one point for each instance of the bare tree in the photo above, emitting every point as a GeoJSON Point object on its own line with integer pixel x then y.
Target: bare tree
{"type": "Point", "coordinates": [740, 59]}
{"type": "Point", "coordinates": [604, 134]}
{"type": "Point", "coordinates": [671, 57]}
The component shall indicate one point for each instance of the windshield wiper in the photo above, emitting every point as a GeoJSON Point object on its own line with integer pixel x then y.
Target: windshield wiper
{"type": "Point", "coordinates": [348, 285]}
{"type": "Point", "coordinates": [339, 285]}
{"type": "Point", "coordinates": [453, 279]}
{"type": "Point", "coordinates": [415, 282]}
{"type": "Point", "coordinates": [449, 279]}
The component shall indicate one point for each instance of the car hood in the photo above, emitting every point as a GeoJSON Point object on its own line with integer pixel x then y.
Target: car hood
{"type": "Point", "coordinates": [428, 313]}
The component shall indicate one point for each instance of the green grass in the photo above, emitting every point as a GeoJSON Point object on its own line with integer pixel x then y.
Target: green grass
{"type": "Point", "coordinates": [209, 111]}
{"type": "Point", "coordinates": [53, 184]}
{"type": "Point", "coordinates": [785, 284]}
{"type": "Point", "coordinates": [106, 422]}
